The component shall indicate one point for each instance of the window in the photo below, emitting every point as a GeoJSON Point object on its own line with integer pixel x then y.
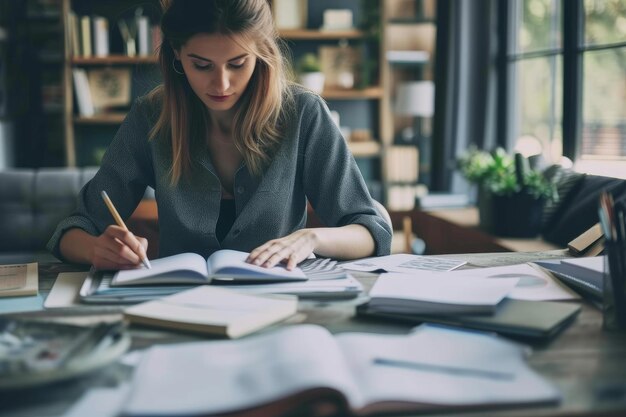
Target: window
{"type": "Point", "coordinates": [566, 72]}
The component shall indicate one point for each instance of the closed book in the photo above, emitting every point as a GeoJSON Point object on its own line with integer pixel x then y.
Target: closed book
{"type": "Point", "coordinates": [83, 93]}
{"type": "Point", "coordinates": [538, 320]}
{"type": "Point", "coordinates": [100, 36]}
{"type": "Point", "coordinates": [85, 36]}
{"type": "Point", "coordinates": [589, 268]}
{"type": "Point", "coordinates": [143, 35]}
{"type": "Point", "coordinates": [213, 310]}
{"type": "Point", "coordinates": [19, 280]}
{"type": "Point", "coordinates": [585, 279]}
{"type": "Point", "coordinates": [429, 292]}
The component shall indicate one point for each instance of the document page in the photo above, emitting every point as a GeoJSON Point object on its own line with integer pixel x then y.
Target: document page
{"type": "Point", "coordinates": [405, 263]}
{"type": "Point", "coordinates": [218, 377]}
{"type": "Point", "coordinates": [441, 366]}
{"type": "Point", "coordinates": [534, 284]}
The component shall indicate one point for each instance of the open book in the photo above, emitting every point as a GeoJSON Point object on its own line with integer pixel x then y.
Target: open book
{"type": "Point", "coordinates": [295, 367]}
{"type": "Point", "coordinates": [191, 268]}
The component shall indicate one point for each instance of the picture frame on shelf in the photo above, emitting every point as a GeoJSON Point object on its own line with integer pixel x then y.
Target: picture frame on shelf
{"type": "Point", "coordinates": [110, 88]}
{"type": "Point", "coordinates": [339, 64]}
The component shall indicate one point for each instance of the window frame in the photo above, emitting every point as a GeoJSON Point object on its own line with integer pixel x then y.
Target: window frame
{"type": "Point", "coordinates": [572, 51]}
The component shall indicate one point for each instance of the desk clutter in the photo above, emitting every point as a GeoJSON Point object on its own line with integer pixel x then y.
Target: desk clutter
{"type": "Point", "coordinates": [458, 313]}
{"type": "Point", "coordinates": [293, 370]}
{"type": "Point", "coordinates": [33, 352]}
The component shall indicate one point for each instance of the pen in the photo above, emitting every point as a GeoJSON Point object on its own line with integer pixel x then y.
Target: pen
{"type": "Point", "coordinates": [120, 223]}
{"type": "Point", "coordinates": [445, 369]}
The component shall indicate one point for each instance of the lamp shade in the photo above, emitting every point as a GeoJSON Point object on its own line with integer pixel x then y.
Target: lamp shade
{"type": "Point", "coordinates": [415, 98]}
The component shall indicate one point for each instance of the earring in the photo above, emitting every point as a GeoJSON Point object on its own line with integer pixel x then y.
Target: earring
{"type": "Point", "coordinates": [176, 70]}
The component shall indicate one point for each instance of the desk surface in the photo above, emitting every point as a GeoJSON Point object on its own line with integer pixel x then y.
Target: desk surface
{"type": "Point", "coordinates": [586, 363]}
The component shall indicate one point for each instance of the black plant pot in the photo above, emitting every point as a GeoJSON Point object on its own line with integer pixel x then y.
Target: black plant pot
{"type": "Point", "coordinates": [517, 215]}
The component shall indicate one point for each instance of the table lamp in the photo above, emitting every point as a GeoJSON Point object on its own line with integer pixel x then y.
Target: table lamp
{"type": "Point", "coordinates": [417, 98]}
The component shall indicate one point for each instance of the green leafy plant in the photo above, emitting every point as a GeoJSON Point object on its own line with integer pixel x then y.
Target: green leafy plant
{"type": "Point", "coordinates": [495, 172]}
{"type": "Point", "coordinates": [309, 63]}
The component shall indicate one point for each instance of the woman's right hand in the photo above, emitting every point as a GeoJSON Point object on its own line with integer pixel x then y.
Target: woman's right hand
{"type": "Point", "coordinates": [118, 248]}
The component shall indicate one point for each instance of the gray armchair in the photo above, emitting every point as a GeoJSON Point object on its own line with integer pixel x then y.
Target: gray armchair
{"type": "Point", "coordinates": [32, 203]}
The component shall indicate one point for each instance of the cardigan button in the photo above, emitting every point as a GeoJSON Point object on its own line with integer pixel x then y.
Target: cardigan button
{"type": "Point", "coordinates": [240, 190]}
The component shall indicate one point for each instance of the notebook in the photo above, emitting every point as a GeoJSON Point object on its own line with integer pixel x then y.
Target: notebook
{"type": "Point", "coordinates": [215, 311]}
{"type": "Point", "coordinates": [521, 318]}
{"type": "Point", "coordinates": [585, 282]}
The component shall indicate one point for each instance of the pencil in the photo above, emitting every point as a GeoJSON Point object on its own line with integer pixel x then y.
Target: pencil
{"type": "Point", "coordinates": [120, 223]}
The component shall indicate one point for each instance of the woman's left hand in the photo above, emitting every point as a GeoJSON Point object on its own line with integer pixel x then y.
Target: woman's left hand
{"type": "Point", "coordinates": [291, 249]}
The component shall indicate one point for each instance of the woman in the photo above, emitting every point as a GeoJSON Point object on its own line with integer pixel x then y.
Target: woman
{"type": "Point", "coordinates": [233, 151]}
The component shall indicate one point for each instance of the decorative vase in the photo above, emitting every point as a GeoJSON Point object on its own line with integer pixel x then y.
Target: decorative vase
{"type": "Point", "coordinates": [314, 81]}
{"type": "Point", "coordinates": [517, 215]}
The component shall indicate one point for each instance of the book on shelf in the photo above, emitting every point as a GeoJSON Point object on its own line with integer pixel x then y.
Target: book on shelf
{"type": "Point", "coordinates": [100, 26]}
{"type": "Point", "coordinates": [394, 56]}
{"type": "Point", "coordinates": [143, 35]}
{"type": "Point", "coordinates": [83, 92]}
{"type": "Point", "coordinates": [431, 292]}
{"type": "Point", "coordinates": [190, 268]}
{"type": "Point", "coordinates": [19, 280]}
{"type": "Point", "coordinates": [215, 311]}
{"type": "Point", "coordinates": [536, 320]}
{"type": "Point", "coordinates": [73, 34]}
{"type": "Point", "coordinates": [85, 36]}
{"type": "Point", "coordinates": [297, 369]}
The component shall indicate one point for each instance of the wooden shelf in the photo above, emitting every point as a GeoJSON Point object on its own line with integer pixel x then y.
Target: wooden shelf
{"type": "Point", "coordinates": [114, 60]}
{"type": "Point", "coordinates": [411, 21]}
{"type": "Point", "coordinates": [365, 149]}
{"type": "Point", "coordinates": [101, 119]}
{"type": "Point", "coordinates": [366, 93]}
{"type": "Point", "coordinates": [315, 35]}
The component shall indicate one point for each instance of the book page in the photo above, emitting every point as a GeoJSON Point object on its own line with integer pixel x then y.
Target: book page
{"type": "Point", "coordinates": [228, 263]}
{"type": "Point", "coordinates": [206, 378]}
{"type": "Point", "coordinates": [438, 366]}
{"type": "Point", "coordinates": [175, 269]}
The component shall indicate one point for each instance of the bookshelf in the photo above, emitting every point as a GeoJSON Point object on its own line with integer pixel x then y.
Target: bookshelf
{"type": "Point", "coordinates": [87, 134]}
{"type": "Point", "coordinates": [367, 106]}
{"type": "Point", "coordinates": [409, 32]}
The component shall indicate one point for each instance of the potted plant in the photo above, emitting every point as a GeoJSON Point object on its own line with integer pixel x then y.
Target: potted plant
{"type": "Point", "coordinates": [511, 196]}
{"type": "Point", "coordinates": [310, 74]}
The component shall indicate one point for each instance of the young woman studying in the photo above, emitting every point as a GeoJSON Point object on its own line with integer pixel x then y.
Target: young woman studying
{"type": "Point", "coordinates": [233, 150]}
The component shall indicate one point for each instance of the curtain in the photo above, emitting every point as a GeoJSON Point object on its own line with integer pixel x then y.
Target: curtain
{"type": "Point", "coordinates": [466, 83]}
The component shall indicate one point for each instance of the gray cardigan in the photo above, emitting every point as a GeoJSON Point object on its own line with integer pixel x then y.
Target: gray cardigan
{"type": "Point", "coordinates": [313, 162]}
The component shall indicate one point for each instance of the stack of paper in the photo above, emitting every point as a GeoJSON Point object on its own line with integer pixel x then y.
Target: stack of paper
{"type": "Point", "coordinates": [437, 293]}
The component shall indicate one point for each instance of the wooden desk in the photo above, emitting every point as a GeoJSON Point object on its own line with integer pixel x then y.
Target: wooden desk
{"type": "Point", "coordinates": [587, 364]}
{"type": "Point", "coordinates": [456, 231]}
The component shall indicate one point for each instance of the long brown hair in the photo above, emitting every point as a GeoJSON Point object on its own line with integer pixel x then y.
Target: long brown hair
{"type": "Point", "coordinates": [261, 110]}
